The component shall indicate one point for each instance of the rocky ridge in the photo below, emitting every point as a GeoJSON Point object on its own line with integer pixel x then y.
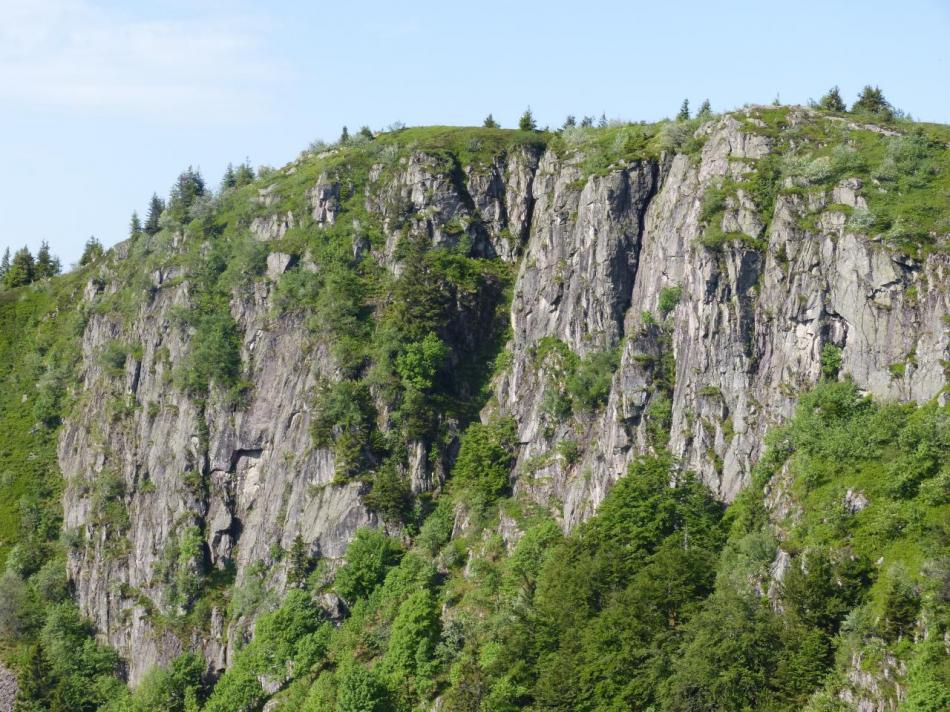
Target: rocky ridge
{"type": "Point", "coordinates": [712, 345]}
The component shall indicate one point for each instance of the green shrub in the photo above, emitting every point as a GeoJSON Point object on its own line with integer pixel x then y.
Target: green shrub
{"type": "Point", "coordinates": [830, 361]}
{"type": "Point", "coordinates": [556, 404]}
{"type": "Point", "coordinates": [113, 358]}
{"type": "Point", "coordinates": [413, 638]}
{"type": "Point", "coordinates": [436, 531]}
{"type": "Point", "coordinates": [569, 451]}
{"type": "Point", "coordinates": [368, 557]}
{"type": "Point", "coordinates": [215, 354]}
{"type": "Point", "coordinates": [17, 614]}
{"type": "Point", "coordinates": [390, 495]}
{"type": "Point", "coordinates": [420, 361]}
{"type": "Point", "coordinates": [669, 298]}
{"type": "Point", "coordinates": [85, 672]}
{"type": "Point", "coordinates": [714, 204]}
{"type": "Point", "coordinates": [822, 592]}
{"type": "Point", "coordinates": [900, 607]}
{"type": "Point", "coordinates": [238, 689]}
{"type": "Point", "coordinates": [179, 688]}
{"type": "Point", "coordinates": [361, 690]}
{"type": "Point", "coordinates": [589, 383]}
{"type": "Point", "coordinates": [486, 454]}
{"type": "Point", "coordinates": [659, 417]}
{"type": "Point", "coordinates": [344, 418]}
{"type": "Point", "coordinates": [108, 505]}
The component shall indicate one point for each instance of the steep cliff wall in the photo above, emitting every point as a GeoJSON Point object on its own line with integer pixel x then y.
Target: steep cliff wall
{"type": "Point", "coordinates": [746, 321]}
{"type": "Point", "coordinates": [707, 316]}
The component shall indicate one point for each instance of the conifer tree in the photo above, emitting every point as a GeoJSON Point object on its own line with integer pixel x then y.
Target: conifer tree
{"type": "Point", "coordinates": [244, 174]}
{"type": "Point", "coordinates": [587, 122]}
{"type": "Point", "coordinates": [602, 122]}
{"type": "Point", "coordinates": [46, 264]}
{"type": "Point", "coordinates": [135, 225]}
{"type": "Point", "coordinates": [299, 562]}
{"type": "Point", "coordinates": [527, 122]}
{"type": "Point", "coordinates": [155, 208]}
{"type": "Point", "coordinates": [832, 101]}
{"type": "Point", "coordinates": [4, 264]}
{"type": "Point", "coordinates": [569, 122]}
{"type": "Point", "coordinates": [366, 133]}
{"type": "Point", "coordinates": [230, 179]}
{"type": "Point", "coordinates": [683, 114]}
{"type": "Point", "coordinates": [187, 188]}
{"type": "Point", "coordinates": [91, 252]}
{"type": "Point", "coordinates": [345, 135]}
{"type": "Point", "coordinates": [705, 110]}
{"type": "Point", "coordinates": [871, 101]}
{"type": "Point", "coordinates": [22, 269]}
{"type": "Point", "coordinates": [490, 123]}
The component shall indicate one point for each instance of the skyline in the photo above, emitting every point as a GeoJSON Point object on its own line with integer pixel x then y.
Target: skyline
{"type": "Point", "coordinates": [106, 104]}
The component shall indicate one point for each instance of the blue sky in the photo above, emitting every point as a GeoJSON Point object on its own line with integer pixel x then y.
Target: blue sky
{"type": "Point", "coordinates": [103, 102]}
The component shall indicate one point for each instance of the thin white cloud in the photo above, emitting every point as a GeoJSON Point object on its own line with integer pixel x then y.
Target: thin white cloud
{"type": "Point", "coordinates": [75, 55]}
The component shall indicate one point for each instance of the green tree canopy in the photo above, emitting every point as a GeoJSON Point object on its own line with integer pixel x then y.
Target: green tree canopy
{"type": "Point", "coordinates": [683, 114]}
{"type": "Point", "coordinates": [526, 122]}
{"type": "Point", "coordinates": [871, 101]}
{"type": "Point", "coordinates": [22, 269]}
{"type": "Point", "coordinates": [47, 265]}
{"type": "Point", "coordinates": [155, 208]}
{"type": "Point", "coordinates": [368, 557]}
{"type": "Point", "coordinates": [832, 101]}
{"type": "Point", "coordinates": [91, 252]}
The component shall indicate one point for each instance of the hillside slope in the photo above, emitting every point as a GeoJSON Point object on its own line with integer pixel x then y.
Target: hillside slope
{"type": "Point", "coordinates": [466, 337]}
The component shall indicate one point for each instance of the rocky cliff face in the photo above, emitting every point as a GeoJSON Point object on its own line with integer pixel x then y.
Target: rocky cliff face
{"type": "Point", "coordinates": [247, 479]}
{"type": "Point", "coordinates": [746, 330]}
{"type": "Point", "coordinates": [711, 345]}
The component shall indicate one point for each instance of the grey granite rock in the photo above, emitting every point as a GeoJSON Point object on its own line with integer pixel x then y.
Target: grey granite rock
{"type": "Point", "coordinates": [596, 253]}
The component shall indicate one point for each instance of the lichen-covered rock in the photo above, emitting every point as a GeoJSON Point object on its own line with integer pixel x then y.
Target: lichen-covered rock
{"type": "Point", "coordinates": [8, 690]}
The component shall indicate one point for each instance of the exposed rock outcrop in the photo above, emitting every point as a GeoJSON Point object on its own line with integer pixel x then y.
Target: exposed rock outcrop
{"type": "Point", "coordinates": [608, 260]}
{"type": "Point", "coordinates": [8, 690]}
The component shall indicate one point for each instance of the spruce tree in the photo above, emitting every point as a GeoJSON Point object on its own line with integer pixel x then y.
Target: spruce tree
{"type": "Point", "coordinates": [46, 265]}
{"type": "Point", "coordinates": [91, 252]}
{"type": "Point", "coordinates": [22, 269]}
{"type": "Point", "coordinates": [230, 179]}
{"type": "Point", "coordinates": [832, 101]}
{"type": "Point", "coordinates": [366, 133]}
{"type": "Point", "coordinates": [345, 135]}
{"type": "Point", "coordinates": [683, 115]}
{"type": "Point", "coordinates": [871, 101]}
{"type": "Point", "coordinates": [570, 122]}
{"type": "Point", "coordinates": [4, 264]}
{"type": "Point", "coordinates": [602, 121]}
{"type": "Point", "coordinates": [244, 174]}
{"type": "Point", "coordinates": [187, 188]}
{"type": "Point", "coordinates": [526, 122]}
{"type": "Point", "coordinates": [587, 122]}
{"type": "Point", "coordinates": [490, 123]}
{"type": "Point", "coordinates": [135, 225]}
{"type": "Point", "coordinates": [155, 208]}
{"type": "Point", "coordinates": [299, 562]}
{"type": "Point", "coordinates": [705, 110]}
